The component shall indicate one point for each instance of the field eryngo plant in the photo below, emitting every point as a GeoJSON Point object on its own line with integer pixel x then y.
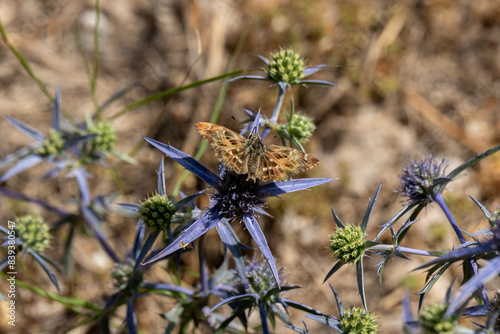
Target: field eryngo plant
{"type": "Point", "coordinates": [171, 225]}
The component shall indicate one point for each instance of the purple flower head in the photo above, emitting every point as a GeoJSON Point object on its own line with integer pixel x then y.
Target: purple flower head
{"type": "Point", "coordinates": [259, 279]}
{"type": "Point", "coordinates": [236, 196]}
{"type": "Point", "coordinates": [421, 179]}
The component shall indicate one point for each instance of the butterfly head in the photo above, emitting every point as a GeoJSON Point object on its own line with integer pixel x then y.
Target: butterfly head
{"type": "Point", "coordinates": [254, 145]}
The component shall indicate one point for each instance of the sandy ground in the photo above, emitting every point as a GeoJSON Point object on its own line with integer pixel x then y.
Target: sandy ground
{"type": "Point", "coordinates": [414, 78]}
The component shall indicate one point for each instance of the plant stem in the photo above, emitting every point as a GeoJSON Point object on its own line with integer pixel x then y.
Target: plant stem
{"type": "Point", "coordinates": [276, 111]}
{"type": "Point", "coordinates": [439, 200]}
{"type": "Point", "coordinates": [277, 106]}
{"type": "Point", "coordinates": [202, 261]}
{"type": "Point", "coordinates": [472, 263]}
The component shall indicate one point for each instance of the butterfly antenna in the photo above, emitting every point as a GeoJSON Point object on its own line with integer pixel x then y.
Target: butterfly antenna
{"type": "Point", "coordinates": [236, 120]}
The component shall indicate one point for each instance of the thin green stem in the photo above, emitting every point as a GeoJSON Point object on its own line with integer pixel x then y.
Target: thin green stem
{"type": "Point", "coordinates": [168, 92]}
{"type": "Point", "coordinates": [204, 144]}
{"type": "Point", "coordinates": [93, 82]}
{"type": "Point", "coordinates": [70, 303]}
{"type": "Point", "coordinates": [24, 63]}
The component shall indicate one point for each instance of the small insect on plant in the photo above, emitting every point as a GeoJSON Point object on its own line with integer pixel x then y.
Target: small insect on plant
{"type": "Point", "coordinates": [250, 156]}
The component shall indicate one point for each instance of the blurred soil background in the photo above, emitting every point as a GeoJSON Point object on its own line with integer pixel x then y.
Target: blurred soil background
{"type": "Point", "coordinates": [414, 78]}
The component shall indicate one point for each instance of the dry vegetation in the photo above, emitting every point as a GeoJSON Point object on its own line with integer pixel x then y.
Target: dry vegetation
{"type": "Point", "coordinates": [415, 78]}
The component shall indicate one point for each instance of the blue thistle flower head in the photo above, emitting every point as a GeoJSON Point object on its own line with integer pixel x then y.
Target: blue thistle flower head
{"type": "Point", "coordinates": [422, 178]}
{"type": "Point", "coordinates": [235, 195]}
{"type": "Point", "coordinates": [259, 279]}
{"type": "Point", "coordinates": [69, 149]}
{"type": "Point", "coordinates": [260, 289]}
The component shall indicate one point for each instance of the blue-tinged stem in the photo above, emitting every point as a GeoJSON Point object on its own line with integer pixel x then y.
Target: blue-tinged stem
{"type": "Point", "coordinates": [21, 196]}
{"type": "Point", "coordinates": [439, 200]}
{"type": "Point", "coordinates": [276, 111]}
{"type": "Point", "coordinates": [414, 251]}
{"type": "Point", "coordinates": [390, 248]}
{"type": "Point", "coordinates": [263, 317]}
{"type": "Point", "coordinates": [203, 267]}
{"type": "Point", "coordinates": [475, 269]}
{"type": "Point", "coordinates": [277, 106]}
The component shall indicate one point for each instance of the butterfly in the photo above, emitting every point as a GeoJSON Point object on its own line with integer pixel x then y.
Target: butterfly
{"type": "Point", "coordinates": [250, 156]}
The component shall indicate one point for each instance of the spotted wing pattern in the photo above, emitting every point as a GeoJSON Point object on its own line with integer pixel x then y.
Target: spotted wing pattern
{"type": "Point", "coordinates": [280, 163]}
{"type": "Point", "coordinates": [228, 145]}
{"type": "Point", "coordinates": [249, 156]}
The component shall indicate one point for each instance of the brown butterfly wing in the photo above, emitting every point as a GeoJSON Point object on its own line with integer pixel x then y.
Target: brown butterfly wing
{"type": "Point", "coordinates": [229, 146]}
{"type": "Point", "coordinates": [280, 163]}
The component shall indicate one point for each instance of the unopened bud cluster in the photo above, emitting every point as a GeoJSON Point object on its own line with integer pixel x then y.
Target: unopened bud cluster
{"type": "Point", "coordinates": [433, 322]}
{"type": "Point", "coordinates": [286, 66]}
{"type": "Point", "coordinates": [357, 320]}
{"type": "Point", "coordinates": [53, 144]}
{"type": "Point", "coordinates": [106, 139]}
{"type": "Point", "coordinates": [348, 244]}
{"type": "Point", "coordinates": [299, 128]}
{"type": "Point", "coordinates": [157, 212]}
{"type": "Point", "coordinates": [33, 232]}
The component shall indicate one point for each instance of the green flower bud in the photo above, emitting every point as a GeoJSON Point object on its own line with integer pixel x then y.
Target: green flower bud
{"type": "Point", "coordinates": [432, 321]}
{"type": "Point", "coordinates": [357, 320]}
{"type": "Point", "coordinates": [299, 128]}
{"type": "Point", "coordinates": [106, 139]}
{"type": "Point", "coordinates": [33, 232]}
{"type": "Point", "coordinates": [286, 66]}
{"type": "Point", "coordinates": [122, 273]}
{"type": "Point", "coordinates": [495, 219]}
{"type": "Point", "coordinates": [53, 145]}
{"type": "Point", "coordinates": [157, 212]}
{"type": "Point", "coordinates": [348, 244]}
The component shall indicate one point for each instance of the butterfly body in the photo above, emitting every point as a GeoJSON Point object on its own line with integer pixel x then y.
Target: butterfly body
{"type": "Point", "coordinates": [250, 156]}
